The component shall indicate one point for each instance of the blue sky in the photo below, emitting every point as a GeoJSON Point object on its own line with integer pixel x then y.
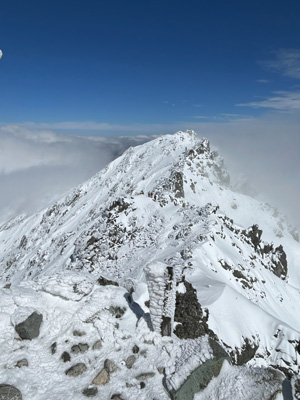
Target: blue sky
{"type": "Point", "coordinates": [110, 67]}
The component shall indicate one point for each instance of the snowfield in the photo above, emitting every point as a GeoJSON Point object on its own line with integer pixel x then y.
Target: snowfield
{"type": "Point", "coordinates": [149, 274]}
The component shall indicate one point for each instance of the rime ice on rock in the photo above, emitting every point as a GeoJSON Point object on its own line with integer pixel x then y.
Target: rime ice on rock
{"type": "Point", "coordinates": [162, 292]}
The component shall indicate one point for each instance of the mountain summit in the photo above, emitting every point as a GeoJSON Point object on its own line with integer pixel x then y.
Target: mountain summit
{"type": "Point", "coordinates": [152, 273]}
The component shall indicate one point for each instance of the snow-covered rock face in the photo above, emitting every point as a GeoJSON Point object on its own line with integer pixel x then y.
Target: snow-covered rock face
{"type": "Point", "coordinates": [163, 223]}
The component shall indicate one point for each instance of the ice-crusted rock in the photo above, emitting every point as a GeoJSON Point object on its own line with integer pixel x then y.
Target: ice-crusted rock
{"type": "Point", "coordinates": [161, 286]}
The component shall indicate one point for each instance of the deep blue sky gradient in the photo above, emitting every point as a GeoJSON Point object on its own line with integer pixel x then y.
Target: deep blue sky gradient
{"type": "Point", "coordinates": [126, 62]}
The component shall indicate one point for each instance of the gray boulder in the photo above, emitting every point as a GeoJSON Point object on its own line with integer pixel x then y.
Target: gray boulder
{"type": "Point", "coordinates": [22, 363]}
{"type": "Point", "coordinates": [90, 392]}
{"type": "Point", "coordinates": [30, 328]}
{"type": "Point", "coordinates": [76, 370]}
{"type": "Point", "coordinates": [80, 348]}
{"type": "Point", "coordinates": [130, 361]}
{"type": "Point", "coordinates": [8, 392]}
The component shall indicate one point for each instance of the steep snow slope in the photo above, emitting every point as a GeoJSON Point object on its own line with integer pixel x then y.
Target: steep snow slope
{"type": "Point", "coordinates": [163, 206]}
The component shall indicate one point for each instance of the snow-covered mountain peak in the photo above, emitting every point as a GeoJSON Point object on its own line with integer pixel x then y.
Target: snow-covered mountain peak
{"type": "Point", "coordinates": [163, 223]}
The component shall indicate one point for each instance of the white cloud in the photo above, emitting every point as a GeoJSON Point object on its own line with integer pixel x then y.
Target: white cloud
{"type": "Point", "coordinates": [286, 62]}
{"type": "Point", "coordinates": [282, 100]}
{"type": "Point", "coordinates": [263, 81]}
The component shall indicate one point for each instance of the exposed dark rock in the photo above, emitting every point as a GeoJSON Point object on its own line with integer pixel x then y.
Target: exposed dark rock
{"type": "Point", "coordinates": [254, 234]}
{"type": "Point", "coordinates": [90, 392]}
{"type": "Point", "coordinates": [238, 274]}
{"type": "Point", "coordinates": [119, 205]}
{"type": "Point", "coordinates": [23, 242]}
{"type": "Point", "coordinates": [188, 312]}
{"type": "Point", "coordinates": [280, 262]}
{"type": "Point", "coordinates": [147, 303]}
{"type": "Point", "coordinates": [53, 348]}
{"type": "Point", "coordinates": [116, 396]}
{"type": "Point", "coordinates": [22, 363]}
{"type": "Point", "coordinates": [142, 385]}
{"type": "Point", "coordinates": [177, 184]}
{"type": "Point", "coordinates": [245, 353]}
{"type": "Point", "coordinates": [77, 332]}
{"type": "Point", "coordinates": [76, 370]}
{"type": "Point", "coordinates": [9, 392]}
{"type": "Point", "coordinates": [80, 348]}
{"type": "Point", "coordinates": [30, 328]}
{"type": "Point", "coordinates": [65, 356]}
{"type": "Point", "coordinates": [117, 312]}
{"type": "Point", "coordinates": [135, 349]}
{"type": "Point", "coordinates": [105, 282]}
{"type": "Point", "coordinates": [91, 241]}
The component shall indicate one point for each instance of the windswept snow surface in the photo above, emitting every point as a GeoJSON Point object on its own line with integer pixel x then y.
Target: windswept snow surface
{"type": "Point", "coordinates": [167, 202]}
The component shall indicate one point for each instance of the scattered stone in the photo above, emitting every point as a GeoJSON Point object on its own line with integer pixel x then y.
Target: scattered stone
{"type": "Point", "coordinates": [135, 349]}
{"type": "Point", "coordinates": [65, 356]}
{"type": "Point", "coordinates": [161, 370]}
{"type": "Point", "coordinates": [22, 363]}
{"type": "Point", "coordinates": [116, 396]}
{"type": "Point", "coordinates": [9, 392]}
{"type": "Point", "coordinates": [102, 378]}
{"type": "Point", "coordinates": [142, 385]}
{"type": "Point", "coordinates": [76, 370]}
{"type": "Point", "coordinates": [145, 375]}
{"type": "Point", "coordinates": [30, 328]}
{"type": "Point", "coordinates": [147, 303]}
{"type": "Point", "coordinates": [53, 348]}
{"type": "Point", "coordinates": [90, 392]}
{"type": "Point", "coordinates": [97, 345]}
{"type": "Point", "coordinates": [104, 282]}
{"type": "Point", "coordinates": [117, 312]}
{"type": "Point", "coordinates": [80, 348]}
{"type": "Point", "coordinates": [130, 361]}
{"type": "Point", "coordinates": [110, 366]}
{"type": "Point", "coordinates": [79, 333]}
{"type": "Point", "coordinates": [8, 285]}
